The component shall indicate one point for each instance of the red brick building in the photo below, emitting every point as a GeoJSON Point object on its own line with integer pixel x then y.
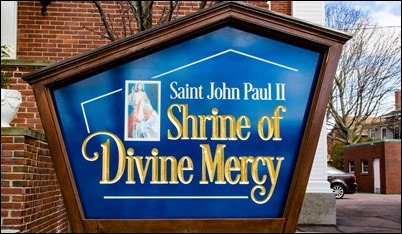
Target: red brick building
{"type": "Point", "coordinates": [376, 165]}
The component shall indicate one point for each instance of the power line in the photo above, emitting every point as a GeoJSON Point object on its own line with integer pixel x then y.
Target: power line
{"type": "Point", "coordinates": [373, 27]}
{"type": "Point", "coordinates": [376, 26]}
{"type": "Point", "coordinates": [379, 27]}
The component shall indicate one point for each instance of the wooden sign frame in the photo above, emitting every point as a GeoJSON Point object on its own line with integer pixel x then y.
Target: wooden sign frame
{"type": "Point", "coordinates": [271, 24]}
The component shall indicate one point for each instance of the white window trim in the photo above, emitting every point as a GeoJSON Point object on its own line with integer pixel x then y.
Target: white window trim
{"type": "Point", "coordinates": [9, 25]}
{"type": "Point", "coordinates": [363, 171]}
{"type": "Point", "coordinates": [312, 11]}
{"type": "Point", "coordinates": [350, 167]}
{"type": "Point", "coordinates": [372, 133]}
{"type": "Point", "coordinates": [383, 136]}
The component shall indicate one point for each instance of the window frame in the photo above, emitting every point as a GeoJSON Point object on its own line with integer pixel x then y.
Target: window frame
{"type": "Point", "coordinates": [365, 167]}
{"type": "Point", "coordinates": [372, 133]}
{"type": "Point", "coordinates": [352, 165]}
{"type": "Point", "coordinates": [383, 133]}
{"type": "Point", "coordinates": [9, 12]}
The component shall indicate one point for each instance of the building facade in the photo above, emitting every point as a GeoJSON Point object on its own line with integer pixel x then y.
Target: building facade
{"type": "Point", "coordinates": [387, 126]}
{"type": "Point", "coordinates": [376, 165]}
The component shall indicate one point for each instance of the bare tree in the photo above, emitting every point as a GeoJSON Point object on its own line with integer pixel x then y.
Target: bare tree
{"type": "Point", "coordinates": [369, 70]}
{"type": "Point", "coordinates": [136, 16]}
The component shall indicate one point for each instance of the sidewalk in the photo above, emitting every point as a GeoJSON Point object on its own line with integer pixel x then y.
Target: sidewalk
{"type": "Point", "coordinates": [363, 213]}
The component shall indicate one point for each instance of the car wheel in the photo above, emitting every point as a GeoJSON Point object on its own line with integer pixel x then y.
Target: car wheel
{"type": "Point", "coordinates": [339, 191]}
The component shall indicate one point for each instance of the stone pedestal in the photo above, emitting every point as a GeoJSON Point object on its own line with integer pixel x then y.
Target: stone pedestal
{"type": "Point", "coordinates": [319, 202]}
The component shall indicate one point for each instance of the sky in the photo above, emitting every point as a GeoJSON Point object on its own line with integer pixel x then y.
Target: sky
{"type": "Point", "coordinates": [386, 13]}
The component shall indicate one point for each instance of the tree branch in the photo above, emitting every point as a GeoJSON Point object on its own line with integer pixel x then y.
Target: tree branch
{"type": "Point", "coordinates": [104, 20]}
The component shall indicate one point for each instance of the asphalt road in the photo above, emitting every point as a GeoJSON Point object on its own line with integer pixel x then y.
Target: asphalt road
{"type": "Point", "coordinates": [363, 213]}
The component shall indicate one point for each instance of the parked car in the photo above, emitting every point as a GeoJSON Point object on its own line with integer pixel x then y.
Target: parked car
{"type": "Point", "coordinates": [341, 182]}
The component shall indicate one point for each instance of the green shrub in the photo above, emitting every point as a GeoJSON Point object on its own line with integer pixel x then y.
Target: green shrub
{"type": "Point", "coordinates": [6, 51]}
{"type": "Point", "coordinates": [337, 155]}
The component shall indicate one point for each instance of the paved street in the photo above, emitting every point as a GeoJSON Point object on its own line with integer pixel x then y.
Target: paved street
{"type": "Point", "coordinates": [363, 213]}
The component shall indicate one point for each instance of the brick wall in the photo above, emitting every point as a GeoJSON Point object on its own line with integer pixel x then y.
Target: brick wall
{"type": "Point", "coordinates": [71, 28]}
{"type": "Point", "coordinates": [357, 153]}
{"type": "Point", "coordinates": [389, 154]}
{"type": "Point", "coordinates": [59, 34]}
{"type": "Point", "coordinates": [30, 195]}
{"type": "Point", "coordinates": [28, 114]}
{"type": "Point", "coordinates": [68, 29]}
{"type": "Point", "coordinates": [284, 7]}
{"type": "Point", "coordinates": [392, 164]}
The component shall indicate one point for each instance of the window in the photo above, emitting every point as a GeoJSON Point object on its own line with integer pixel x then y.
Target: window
{"type": "Point", "coordinates": [372, 133]}
{"type": "Point", "coordinates": [313, 11]}
{"type": "Point", "coordinates": [397, 132]}
{"type": "Point", "coordinates": [9, 25]}
{"type": "Point", "coordinates": [365, 166]}
{"type": "Point", "coordinates": [383, 133]}
{"type": "Point", "coordinates": [351, 166]}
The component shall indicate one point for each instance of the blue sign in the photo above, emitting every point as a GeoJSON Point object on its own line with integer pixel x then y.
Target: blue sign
{"type": "Point", "coordinates": [207, 128]}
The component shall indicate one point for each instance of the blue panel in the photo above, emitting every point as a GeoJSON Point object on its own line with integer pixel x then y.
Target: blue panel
{"type": "Point", "coordinates": [220, 119]}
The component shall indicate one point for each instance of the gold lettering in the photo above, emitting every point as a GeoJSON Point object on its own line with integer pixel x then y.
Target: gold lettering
{"type": "Point", "coordinates": [261, 128]}
{"type": "Point", "coordinates": [155, 166]}
{"type": "Point", "coordinates": [277, 117]}
{"type": "Point", "coordinates": [173, 169]}
{"type": "Point", "coordinates": [175, 122]}
{"type": "Point", "coordinates": [240, 126]}
{"type": "Point", "coordinates": [106, 156]}
{"type": "Point", "coordinates": [254, 171]}
{"type": "Point", "coordinates": [264, 170]}
{"type": "Point", "coordinates": [229, 168]}
{"type": "Point", "coordinates": [203, 127]}
{"type": "Point", "coordinates": [272, 124]}
{"type": "Point", "coordinates": [215, 126]}
{"type": "Point", "coordinates": [182, 168]}
{"type": "Point", "coordinates": [273, 174]}
{"type": "Point", "coordinates": [142, 172]}
{"type": "Point", "coordinates": [212, 166]}
{"type": "Point", "coordinates": [160, 164]}
{"type": "Point", "coordinates": [244, 171]}
{"type": "Point", "coordinates": [223, 127]}
{"type": "Point", "coordinates": [130, 166]}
